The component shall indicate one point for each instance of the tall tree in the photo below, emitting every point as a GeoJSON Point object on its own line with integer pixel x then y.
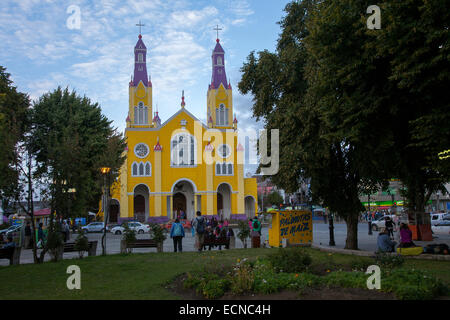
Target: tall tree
{"type": "Point", "coordinates": [71, 141]}
{"type": "Point", "coordinates": [312, 144]}
{"type": "Point", "coordinates": [14, 112]}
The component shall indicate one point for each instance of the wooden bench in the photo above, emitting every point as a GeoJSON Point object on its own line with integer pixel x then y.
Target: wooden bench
{"type": "Point", "coordinates": [70, 247]}
{"type": "Point", "coordinates": [12, 254]}
{"type": "Point", "coordinates": [140, 243]}
{"type": "Point", "coordinates": [212, 241]}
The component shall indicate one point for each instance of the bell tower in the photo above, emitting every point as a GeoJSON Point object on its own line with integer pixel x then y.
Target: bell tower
{"type": "Point", "coordinates": [140, 89]}
{"type": "Point", "coordinates": [219, 96]}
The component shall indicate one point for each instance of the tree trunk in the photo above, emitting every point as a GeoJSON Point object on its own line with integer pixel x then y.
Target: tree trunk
{"type": "Point", "coordinates": [351, 242]}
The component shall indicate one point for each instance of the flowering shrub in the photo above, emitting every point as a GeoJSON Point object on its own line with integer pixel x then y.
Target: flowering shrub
{"type": "Point", "coordinates": [290, 260]}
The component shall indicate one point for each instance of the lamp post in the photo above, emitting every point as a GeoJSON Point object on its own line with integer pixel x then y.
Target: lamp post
{"type": "Point", "coordinates": [105, 171]}
{"type": "Point", "coordinates": [331, 226]}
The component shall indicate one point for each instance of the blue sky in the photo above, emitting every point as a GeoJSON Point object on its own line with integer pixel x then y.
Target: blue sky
{"type": "Point", "coordinates": [96, 59]}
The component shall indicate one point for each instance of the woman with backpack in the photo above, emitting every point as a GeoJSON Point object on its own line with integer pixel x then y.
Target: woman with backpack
{"type": "Point", "coordinates": [177, 234]}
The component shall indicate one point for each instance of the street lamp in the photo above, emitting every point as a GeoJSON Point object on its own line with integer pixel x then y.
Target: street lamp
{"type": "Point", "coordinates": [105, 171]}
{"type": "Point", "coordinates": [331, 226]}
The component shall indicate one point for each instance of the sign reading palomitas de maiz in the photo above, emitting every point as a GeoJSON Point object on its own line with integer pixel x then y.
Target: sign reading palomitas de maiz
{"type": "Point", "coordinates": [294, 226]}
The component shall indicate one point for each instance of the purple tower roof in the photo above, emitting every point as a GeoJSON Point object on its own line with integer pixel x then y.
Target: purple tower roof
{"type": "Point", "coordinates": [218, 65]}
{"type": "Point", "coordinates": [140, 64]}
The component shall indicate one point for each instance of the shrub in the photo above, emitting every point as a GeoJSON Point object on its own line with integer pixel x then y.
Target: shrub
{"type": "Point", "coordinates": [214, 289]}
{"type": "Point", "coordinates": [290, 260]}
{"type": "Point", "coordinates": [388, 261]}
{"type": "Point", "coordinates": [345, 279]}
{"type": "Point", "coordinates": [244, 232]}
{"type": "Point", "coordinates": [129, 235]}
{"type": "Point", "coordinates": [158, 233]}
{"type": "Point", "coordinates": [242, 279]}
{"type": "Point", "coordinates": [409, 284]}
{"type": "Point", "coordinates": [81, 243]}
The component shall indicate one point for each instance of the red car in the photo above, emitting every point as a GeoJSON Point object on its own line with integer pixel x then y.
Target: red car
{"type": "Point", "coordinates": [186, 224]}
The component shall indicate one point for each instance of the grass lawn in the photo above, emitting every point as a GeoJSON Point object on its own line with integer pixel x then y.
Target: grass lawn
{"type": "Point", "coordinates": [145, 275]}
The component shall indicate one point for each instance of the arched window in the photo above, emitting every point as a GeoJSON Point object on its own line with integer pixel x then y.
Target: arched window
{"type": "Point", "coordinates": [141, 114]}
{"type": "Point", "coordinates": [222, 115]}
{"type": "Point", "coordinates": [218, 168]}
{"type": "Point", "coordinates": [140, 57]}
{"type": "Point", "coordinates": [135, 169]}
{"type": "Point", "coordinates": [148, 169]}
{"type": "Point", "coordinates": [141, 169]}
{"type": "Point", "coordinates": [183, 150]}
{"type": "Point", "coordinates": [230, 169]}
{"type": "Point", "coordinates": [219, 61]}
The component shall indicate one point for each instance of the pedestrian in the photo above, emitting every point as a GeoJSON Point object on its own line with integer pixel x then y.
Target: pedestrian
{"type": "Point", "coordinates": [177, 235]}
{"type": "Point", "coordinates": [250, 222]}
{"type": "Point", "coordinates": [405, 237]}
{"type": "Point", "coordinates": [200, 227]}
{"type": "Point", "coordinates": [225, 223]}
{"type": "Point", "coordinates": [324, 217]}
{"type": "Point", "coordinates": [27, 236]}
{"type": "Point", "coordinates": [389, 227]}
{"type": "Point", "coordinates": [369, 221]}
{"type": "Point", "coordinates": [384, 243]}
{"type": "Point", "coordinates": [256, 233]}
{"type": "Point", "coordinates": [41, 236]}
{"type": "Point", "coordinates": [66, 231]}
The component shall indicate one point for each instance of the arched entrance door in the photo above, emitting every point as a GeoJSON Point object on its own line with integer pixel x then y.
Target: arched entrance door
{"type": "Point", "coordinates": [224, 201]}
{"type": "Point", "coordinates": [114, 209]}
{"type": "Point", "coordinates": [249, 207]}
{"type": "Point", "coordinates": [183, 198]}
{"type": "Point", "coordinates": [179, 203]}
{"type": "Point", "coordinates": [141, 200]}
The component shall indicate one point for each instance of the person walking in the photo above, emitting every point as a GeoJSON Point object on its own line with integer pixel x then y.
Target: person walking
{"type": "Point", "coordinates": [200, 227]}
{"type": "Point", "coordinates": [41, 236]}
{"type": "Point", "coordinates": [177, 235]}
{"type": "Point", "coordinates": [27, 236]}
{"type": "Point", "coordinates": [389, 227]}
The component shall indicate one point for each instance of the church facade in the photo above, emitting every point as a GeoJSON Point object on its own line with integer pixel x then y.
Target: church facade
{"type": "Point", "coordinates": [182, 164]}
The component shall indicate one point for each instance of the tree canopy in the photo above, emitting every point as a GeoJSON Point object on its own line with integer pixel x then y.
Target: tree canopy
{"type": "Point", "coordinates": [14, 121]}
{"type": "Point", "coordinates": [71, 141]}
{"type": "Point", "coordinates": [355, 106]}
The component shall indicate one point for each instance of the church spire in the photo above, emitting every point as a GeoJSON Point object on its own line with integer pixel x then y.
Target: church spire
{"type": "Point", "coordinates": [140, 63]}
{"type": "Point", "coordinates": [218, 65]}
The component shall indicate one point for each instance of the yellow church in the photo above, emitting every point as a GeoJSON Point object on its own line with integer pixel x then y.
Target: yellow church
{"type": "Point", "coordinates": [182, 164]}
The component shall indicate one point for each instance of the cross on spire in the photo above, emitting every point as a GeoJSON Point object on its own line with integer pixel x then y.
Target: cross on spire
{"type": "Point", "coordinates": [140, 25]}
{"type": "Point", "coordinates": [217, 29]}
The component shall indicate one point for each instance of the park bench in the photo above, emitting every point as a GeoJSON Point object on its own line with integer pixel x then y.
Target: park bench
{"type": "Point", "coordinates": [212, 241]}
{"type": "Point", "coordinates": [70, 247]}
{"type": "Point", "coordinates": [140, 243]}
{"type": "Point", "coordinates": [12, 254]}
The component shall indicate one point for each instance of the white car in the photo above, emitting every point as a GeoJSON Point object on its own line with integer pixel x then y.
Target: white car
{"type": "Point", "coordinates": [437, 218]}
{"type": "Point", "coordinates": [441, 228]}
{"type": "Point", "coordinates": [136, 226]}
{"type": "Point", "coordinates": [381, 222]}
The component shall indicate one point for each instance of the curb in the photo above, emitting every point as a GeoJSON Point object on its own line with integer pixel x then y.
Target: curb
{"type": "Point", "coordinates": [422, 256]}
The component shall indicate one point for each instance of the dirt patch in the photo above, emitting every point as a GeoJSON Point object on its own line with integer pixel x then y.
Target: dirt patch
{"type": "Point", "coordinates": [309, 294]}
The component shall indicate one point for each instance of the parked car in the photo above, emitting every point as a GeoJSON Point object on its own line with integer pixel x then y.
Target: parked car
{"type": "Point", "coordinates": [11, 228]}
{"type": "Point", "coordinates": [437, 218]}
{"type": "Point", "coordinates": [94, 227]}
{"type": "Point", "coordinates": [136, 226]}
{"type": "Point", "coordinates": [442, 227]}
{"type": "Point", "coordinates": [381, 222]}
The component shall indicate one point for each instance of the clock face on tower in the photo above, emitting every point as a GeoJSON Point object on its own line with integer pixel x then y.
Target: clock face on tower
{"type": "Point", "coordinates": [141, 150]}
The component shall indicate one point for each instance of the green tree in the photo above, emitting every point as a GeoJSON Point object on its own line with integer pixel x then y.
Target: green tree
{"type": "Point", "coordinates": [274, 198]}
{"type": "Point", "coordinates": [71, 141]}
{"type": "Point", "coordinates": [14, 121]}
{"type": "Point", "coordinates": [311, 143]}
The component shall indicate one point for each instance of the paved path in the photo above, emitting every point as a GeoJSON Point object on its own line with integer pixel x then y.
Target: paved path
{"type": "Point", "coordinates": [320, 238]}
